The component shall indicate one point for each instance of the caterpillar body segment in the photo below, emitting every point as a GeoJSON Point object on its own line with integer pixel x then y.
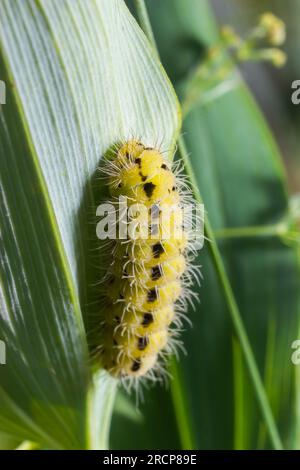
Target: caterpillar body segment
{"type": "Point", "coordinates": [146, 285]}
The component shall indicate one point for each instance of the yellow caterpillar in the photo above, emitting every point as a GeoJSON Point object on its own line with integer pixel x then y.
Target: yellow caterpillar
{"type": "Point", "coordinates": [145, 287]}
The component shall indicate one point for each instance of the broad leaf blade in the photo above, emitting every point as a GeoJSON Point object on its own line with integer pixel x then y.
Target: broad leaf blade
{"type": "Point", "coordinates": [44, 379]}
{"type": "Point", "coordinates": [80, 76]}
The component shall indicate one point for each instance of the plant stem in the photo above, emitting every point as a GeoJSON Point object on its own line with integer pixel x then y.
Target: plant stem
{"type": "Point", "coordinates": [209, 94]}
{"type": "Point", "coordinates": [182, 413]}
{"type": "Point", "coordinates": [251, 231]}
{"type": "Point", "coordinates": [98, 429]}
{"type": "Point", "coordinates": [222, 275]}
{"type": "Point", "coordinates": [144, 21]}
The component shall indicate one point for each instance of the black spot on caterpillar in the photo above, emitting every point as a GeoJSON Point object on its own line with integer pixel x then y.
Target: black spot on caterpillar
{"type": "Point", "coordinates": [143, 342]}
{"type": "Point", "coordinates": [136, 365]}
{"type": "Point", "coordinates": [152, 295]}
{"type": "Point", "coordinates": [149, 188]}
{"type": "Point", "coordinates": [156, 272]}
{"type": "Point", "coordinates": [147, 319]}
{"type": "Point", "coordinates": [157, 250]}
{"type": "Point", "coordinates": [143, 177]}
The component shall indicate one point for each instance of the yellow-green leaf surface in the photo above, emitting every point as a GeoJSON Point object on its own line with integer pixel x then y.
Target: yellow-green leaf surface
{"type": "Point", "coordinates": [80, 75]}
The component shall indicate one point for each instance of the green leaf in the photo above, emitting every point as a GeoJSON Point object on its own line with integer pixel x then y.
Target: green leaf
{"type": "Point", "coordinates": [241, 178]}
{"type": "Point", "coordinates": [79, 77]}
{"type": "Point", "coordinates": [7, 443]}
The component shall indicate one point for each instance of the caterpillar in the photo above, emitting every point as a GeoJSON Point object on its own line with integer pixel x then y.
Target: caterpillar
{"type": "Point", "coordinates": [146, 288]}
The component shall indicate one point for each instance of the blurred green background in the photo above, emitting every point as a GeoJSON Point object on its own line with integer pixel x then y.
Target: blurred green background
{"type": "Point", "coordinates": [272, 87]}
